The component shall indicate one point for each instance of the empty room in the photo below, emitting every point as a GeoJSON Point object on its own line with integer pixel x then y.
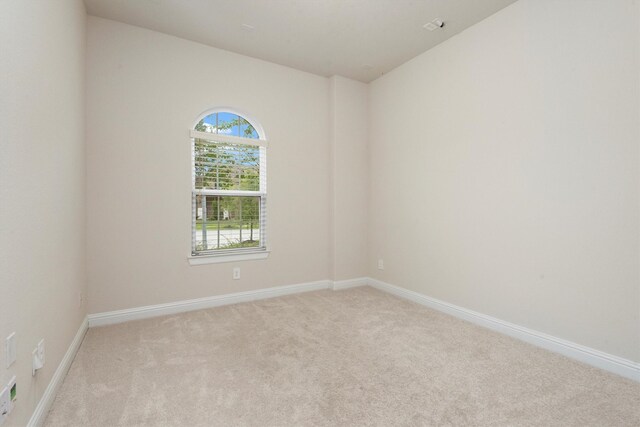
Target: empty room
{"type": "Point", "coordinates": [319, 213]}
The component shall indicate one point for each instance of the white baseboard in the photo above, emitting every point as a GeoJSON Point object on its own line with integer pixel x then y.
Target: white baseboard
{"type": "Point", "coordinates": [590, 356]}
{"type": "Point", "coordinates": [350, 283]}
{"type": "Point", "coordinates": [599, 359]}
{"type": "Point", "coordinates": [136, 313]}
{"type": "Point", "coordinates": [49, 395]}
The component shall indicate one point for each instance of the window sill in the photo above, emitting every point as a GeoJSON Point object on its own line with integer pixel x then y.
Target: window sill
{"type": "Point", "coordinates": [216, 259]}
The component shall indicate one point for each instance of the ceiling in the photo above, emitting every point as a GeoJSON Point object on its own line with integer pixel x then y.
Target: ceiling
{"type": "Point", "coordinates": [359, 39]}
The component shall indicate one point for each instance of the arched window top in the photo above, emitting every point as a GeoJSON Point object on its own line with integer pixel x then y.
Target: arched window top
{"type": "Point", "coordinates": [227, 123]}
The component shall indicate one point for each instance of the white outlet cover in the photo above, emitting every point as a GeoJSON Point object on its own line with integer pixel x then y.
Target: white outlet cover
{"type": "Point", "coordinates": [36, 362]}
{"type": "Point", "coordinates": [236, 273]}
{"type": "Point", "coordinates": [41, 350]}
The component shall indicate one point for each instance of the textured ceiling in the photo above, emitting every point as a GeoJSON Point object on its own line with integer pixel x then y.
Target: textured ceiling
{"type": "Point", "coordinates": [359, 39]}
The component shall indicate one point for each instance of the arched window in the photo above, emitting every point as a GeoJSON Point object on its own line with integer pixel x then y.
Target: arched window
{"type": "Point", "coordinates": [229, 186]}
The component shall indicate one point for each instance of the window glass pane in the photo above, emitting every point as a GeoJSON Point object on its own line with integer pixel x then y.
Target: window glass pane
{"type": "Point", "coordinates": [246, 130]}
{"type": "Point", "coordinates": [226, 222]}
{"type": "Point", "coordinates": [208, 124]}
{"type": "Point", "coordinates": [228, 124]}
{"type": "Point", "coordinates": [223, 166]}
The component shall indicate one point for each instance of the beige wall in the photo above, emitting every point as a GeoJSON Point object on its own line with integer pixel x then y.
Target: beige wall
{"type": "Point", "coordinates": [505, 173]}
{"type": "Point", "coordinates": [503, 176]}
{"type": "Point", "coordinates": [145, 91]}
{"type": "Point", "coordinates": [350, 177]}
{"type": "Point", "coordinates": [42, 201]}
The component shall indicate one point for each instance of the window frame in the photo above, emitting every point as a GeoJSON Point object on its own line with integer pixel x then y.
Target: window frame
{"type": "Point", "coordinates": [236, 254]}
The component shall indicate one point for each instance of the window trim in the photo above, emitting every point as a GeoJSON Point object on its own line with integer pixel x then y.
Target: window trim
{"type": "Point", "coordinates": [230, 255]}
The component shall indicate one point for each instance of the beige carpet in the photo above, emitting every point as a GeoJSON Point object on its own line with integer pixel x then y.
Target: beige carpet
{"type": "Point", "coordinates": [347, 358]}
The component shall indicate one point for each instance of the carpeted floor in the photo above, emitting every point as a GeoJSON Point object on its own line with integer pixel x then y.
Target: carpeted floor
{"type": "Point", "coordinates": [347, 358]}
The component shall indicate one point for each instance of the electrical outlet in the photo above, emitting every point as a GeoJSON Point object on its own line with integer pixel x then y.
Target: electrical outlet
{"type": "Point", "coordinates": [38, 357]}
{"type": "Point", "coordinates": [380, 264]}
{"type": "Point", "coordinates": [41, 350]}
{"type": "Point", "coordinates": [10, 349]}
{"type": "Point", "coordinates": [35, 362]}
{"type": "Point", "coordinates": [236, 273]}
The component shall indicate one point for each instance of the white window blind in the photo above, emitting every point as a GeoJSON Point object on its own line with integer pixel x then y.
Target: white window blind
{"type": "Point", "coordinates": [229, 187]}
